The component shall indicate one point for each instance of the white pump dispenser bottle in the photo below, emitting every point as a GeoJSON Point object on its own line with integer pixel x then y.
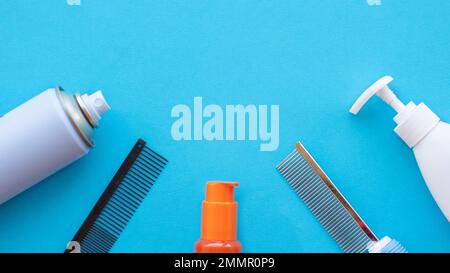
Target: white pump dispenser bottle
{"type": "Point", "coordinates": [425, 133]}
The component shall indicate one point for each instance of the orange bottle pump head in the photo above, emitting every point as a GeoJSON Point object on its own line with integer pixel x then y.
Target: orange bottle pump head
{"type": "Point", "coordinates": [219, 213]}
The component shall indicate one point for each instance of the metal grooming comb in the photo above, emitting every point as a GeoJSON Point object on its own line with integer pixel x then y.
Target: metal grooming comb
{"type": "Point", "coordinates": [119, 201]}
{"type": "Point", "coordinates": [330, 207]}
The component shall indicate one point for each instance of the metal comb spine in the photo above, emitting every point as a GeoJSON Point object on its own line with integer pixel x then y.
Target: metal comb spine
{"type": "Point", "coordinates": [308, 184]}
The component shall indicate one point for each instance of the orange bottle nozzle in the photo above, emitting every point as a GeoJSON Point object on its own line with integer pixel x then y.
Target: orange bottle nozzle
{"type": "Point", "coordinates": [219, 217]}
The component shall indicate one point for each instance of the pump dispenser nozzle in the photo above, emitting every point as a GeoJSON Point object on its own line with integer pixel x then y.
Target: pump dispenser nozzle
{"type": "Point", "coordinates": [219, 220]}
{"type": "Point", "coordinates": [219, 212]}
{"type": "Point", "coordinates": [414, 122]}
{"type": "Point", "coordinates": [382, 90]}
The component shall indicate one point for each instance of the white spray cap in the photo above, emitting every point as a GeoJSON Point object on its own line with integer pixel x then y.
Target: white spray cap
{"type": "Point", "coordinates": [96, 106]}
{"type": "Point", "coordinates": [414, 122]}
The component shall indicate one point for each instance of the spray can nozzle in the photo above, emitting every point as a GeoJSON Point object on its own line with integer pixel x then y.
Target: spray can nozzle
{"type": "Point", "coordinates": [93, 106]}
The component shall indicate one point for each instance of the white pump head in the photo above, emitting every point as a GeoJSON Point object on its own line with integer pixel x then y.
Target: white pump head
{"type": "Point", "coordinates": [382, 90]}
{"type": "Point", "coordinates": [414, 121]}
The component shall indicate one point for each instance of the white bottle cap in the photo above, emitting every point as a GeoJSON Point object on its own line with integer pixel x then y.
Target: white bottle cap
{"type": "Point", "coordinates": [414, 122]}
{"type": "Point", "coordinates": [96, 105]}
{"type": "Point", "coordinates": [377, 247]}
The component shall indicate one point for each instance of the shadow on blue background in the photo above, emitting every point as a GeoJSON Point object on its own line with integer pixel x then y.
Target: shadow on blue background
{"type": "Point", "coordinates": [313, 58]}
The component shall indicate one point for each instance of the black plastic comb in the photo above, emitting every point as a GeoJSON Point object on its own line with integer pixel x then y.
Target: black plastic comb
{"type": "Point", "coordinates": [119, 201]}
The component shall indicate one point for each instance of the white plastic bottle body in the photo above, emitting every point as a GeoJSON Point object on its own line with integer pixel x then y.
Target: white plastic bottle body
{"type": "Point", "coordinates": [421, 129]}
{"type": "Point", "coordinates": [36, 140]}
{"type": "Point", "coordinates": [433, 156]}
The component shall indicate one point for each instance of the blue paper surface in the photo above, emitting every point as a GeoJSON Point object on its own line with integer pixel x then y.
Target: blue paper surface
{"type": "Point", "coordinates": [312, 58]}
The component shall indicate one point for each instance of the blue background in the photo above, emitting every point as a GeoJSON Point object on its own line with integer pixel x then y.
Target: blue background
{"type": "Point", "coordinates": [311, 57]}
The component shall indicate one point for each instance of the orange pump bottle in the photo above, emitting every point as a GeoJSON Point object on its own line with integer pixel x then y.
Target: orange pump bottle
{"type": "Point", "coordinates": [219, 220]}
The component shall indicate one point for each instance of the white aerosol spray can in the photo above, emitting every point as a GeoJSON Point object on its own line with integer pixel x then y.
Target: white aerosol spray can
{"type": "Point", "coordinates": [44, 135]}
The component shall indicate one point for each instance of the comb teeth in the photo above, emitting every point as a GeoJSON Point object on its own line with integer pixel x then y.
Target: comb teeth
{"type": "Point", "coordinates": [325, 201]}
{"type": "Point", "coordinates": [120, 200]}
